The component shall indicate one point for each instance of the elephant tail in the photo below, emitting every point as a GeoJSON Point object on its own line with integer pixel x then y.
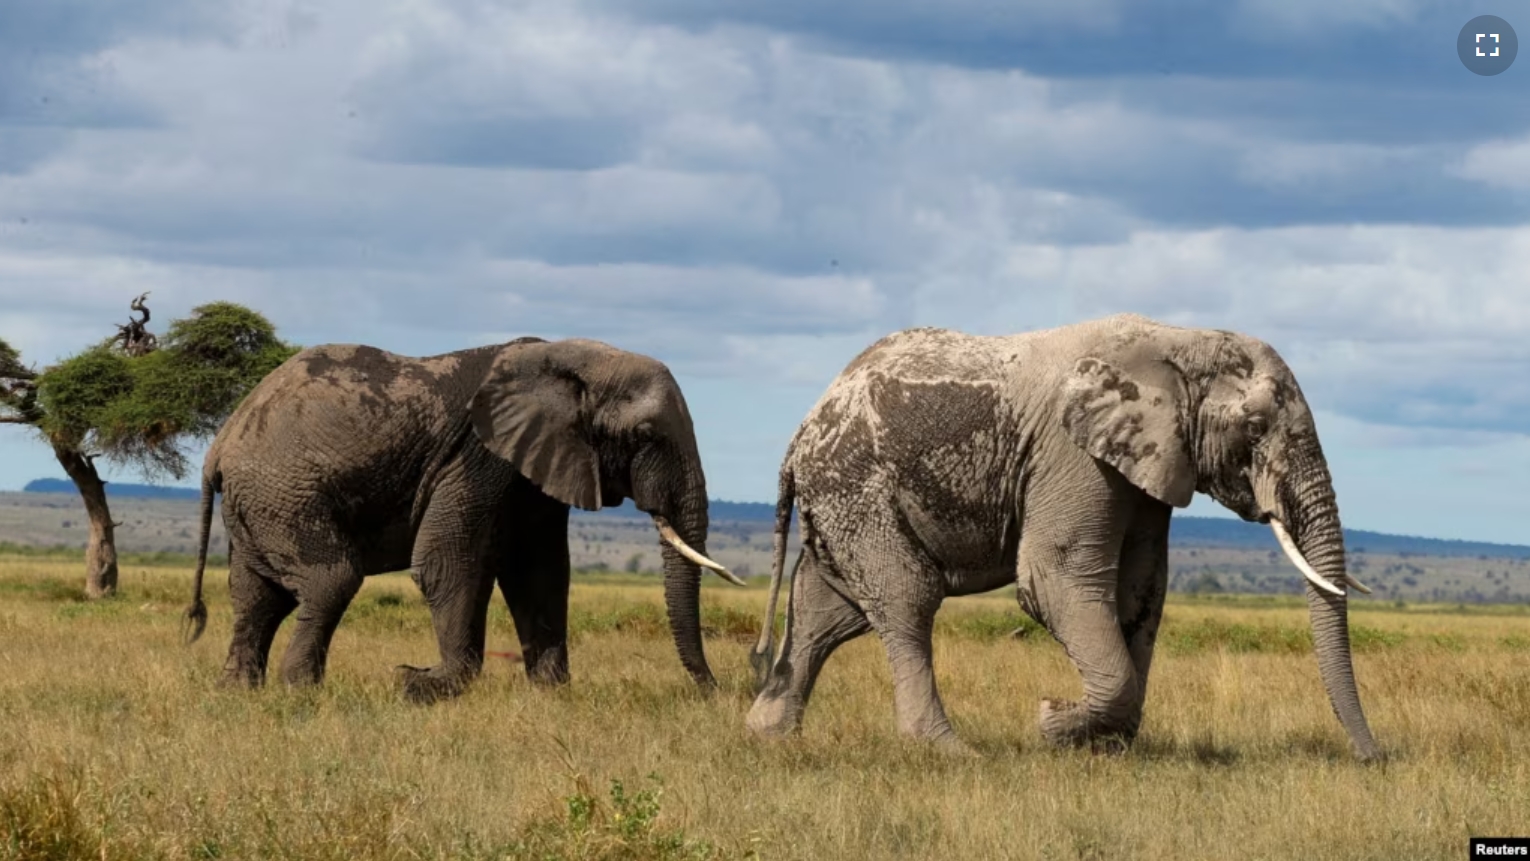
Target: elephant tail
{"type": "Point", "coordinates": [196, 613]}
{"type": "Point", "coordinates": [764, 650]}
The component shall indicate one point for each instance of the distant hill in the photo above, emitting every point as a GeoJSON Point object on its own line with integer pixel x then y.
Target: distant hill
{"type": "Point", "coordinates": [137, 491]}
{"type": "Point", "coordinates": [1239, 534]}
{"type": "Point", "coordinates": [1197, 531]}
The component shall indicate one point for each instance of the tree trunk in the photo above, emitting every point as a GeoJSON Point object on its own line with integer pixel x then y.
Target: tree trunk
{"type": "Point", "coordinates": [101, 551]}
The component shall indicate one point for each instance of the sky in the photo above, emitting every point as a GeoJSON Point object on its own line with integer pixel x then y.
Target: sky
{"type": "Point", "coordinates": [754, 192]}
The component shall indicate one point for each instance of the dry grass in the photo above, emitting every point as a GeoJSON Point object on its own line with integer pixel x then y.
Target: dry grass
{"type": "Point", "coordinates": [115, 744]}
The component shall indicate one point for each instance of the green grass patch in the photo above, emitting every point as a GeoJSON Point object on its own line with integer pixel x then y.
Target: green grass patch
{"type": "Point", "coordinates": [390, 612]}
{"type": "Point", "coordinates": [44, 589]}
{"type": "Point", "coordinates": [618, 824]}
{"type": "Point", "coordinates": [1364, 639]}
{"type": "Point", "coordinates": [1516, 642]}
{"type": "Point", "coordinates": [1209, 635]}
{"type": "Point", "coordinates": [988, 626]}
{"type": "Point", "coordinates": [156, 559]}
{"type": "Point", "coordinates": [1447, 642]}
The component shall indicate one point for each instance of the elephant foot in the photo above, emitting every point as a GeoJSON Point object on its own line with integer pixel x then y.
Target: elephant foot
{"type": "Point", "coordinates": [952, 746]}
{"type": "Point", "coordinates": [1066, 724]}
{"type": "Point", "coordinates": [772, 718]}
{"type": "Point", "coordinates": [303, 677]}
{"type": "Point", "coordinates": [233, 680]}
{"type": "Point", "coordinates": [547, 667]}
{"type": "Point", "coordinates": [241, 676]}
{"type": "Point", "coordinates": [425, 686]}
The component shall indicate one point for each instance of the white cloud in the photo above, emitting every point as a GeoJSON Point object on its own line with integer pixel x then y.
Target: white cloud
{"type": "Point", "coordinates": [754, 195]}
{"type": "Point", "coordinates": [1498, 163]}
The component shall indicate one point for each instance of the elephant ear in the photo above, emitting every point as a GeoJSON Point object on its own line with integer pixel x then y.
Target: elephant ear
{"type": "Point", "coordinates": [531, 411]}
{"type": "Point", "coordinates": [1132, 422]}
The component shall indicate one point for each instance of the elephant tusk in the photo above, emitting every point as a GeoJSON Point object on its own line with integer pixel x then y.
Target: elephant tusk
{"type": "Point", "coordinates": [1299, 560]}
{"type": "Point", "coordinates": [669, 534]}
{"type": "Point", "coordinates": [1357, 584]}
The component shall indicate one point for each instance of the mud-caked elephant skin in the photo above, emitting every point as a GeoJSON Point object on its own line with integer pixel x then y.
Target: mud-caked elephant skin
{"type": "Point", "coordinates": [943, 464]}
{"type": "Point", "coordinates": [349, 461]}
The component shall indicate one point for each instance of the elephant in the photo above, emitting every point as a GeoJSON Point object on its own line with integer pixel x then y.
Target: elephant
{"type": "Point", "coordinates": [348, 461]}
{"type": "Point", "coordinates": [940, 463]}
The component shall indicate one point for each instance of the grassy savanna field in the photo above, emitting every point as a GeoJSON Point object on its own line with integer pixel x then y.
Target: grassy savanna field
{"type": "Point", "coordinates": [117, 745]}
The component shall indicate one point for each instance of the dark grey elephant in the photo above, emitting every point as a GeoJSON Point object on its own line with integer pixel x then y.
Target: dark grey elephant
{"type": "Point", "coordinates": [349, 461]}
{"type": "Point", "coordinates": [946, 464]}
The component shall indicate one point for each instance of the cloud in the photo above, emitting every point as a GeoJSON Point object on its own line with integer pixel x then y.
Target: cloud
{"type": "Point", "coordinates": [82, 27]}
{"type": "Point", "coordinates": [1390, 42]}
{"type": "Point", "coordinates": [1498, 164]}
{"type": "Point", "coordinates": [541, 131]}
{"type": "Point", "coordinates": [57, 67]}
{"type": "Point", "coordinates": [755, 192]}
{"type": "Point", "coordinates": [1308, 17]}
{"type": "Point", "coordinates": [1397, 325]}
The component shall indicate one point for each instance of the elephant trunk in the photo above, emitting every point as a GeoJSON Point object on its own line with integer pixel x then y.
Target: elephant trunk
{"type": "Point", "coordinates": [682, 523]}
{"type": "Point", "coordinates": [1311, 514]}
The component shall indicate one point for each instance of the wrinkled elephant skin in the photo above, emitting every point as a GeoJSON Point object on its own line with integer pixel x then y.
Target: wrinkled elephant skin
{"type": "Point", "coordinates": [942, 464]}
{"type": "Point", "coordinates": [349, 461]}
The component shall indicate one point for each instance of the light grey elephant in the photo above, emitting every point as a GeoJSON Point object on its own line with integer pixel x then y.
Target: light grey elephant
{"type": "Point", "coordinates": [941, 464]}
{"type": "Point", "coordinates": [348, 461]}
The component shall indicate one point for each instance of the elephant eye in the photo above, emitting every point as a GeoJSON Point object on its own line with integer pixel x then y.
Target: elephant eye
{"type": "Point", "coordinates": [1257, 426]}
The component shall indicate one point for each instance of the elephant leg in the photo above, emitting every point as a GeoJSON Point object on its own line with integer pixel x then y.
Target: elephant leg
{"type": "Point", "coordinates": [1072, 587]}
{"type": "Point", "coordinates": [902, 612]}
{"type": "Point", "coordinates": [454, 565]}
{"type": "Point", "coordinates": [260, 606]}
{"type": "Point", "coordinates": [819, 619]}
{"type": "Point", "coordinates": [533, 575]}
{"type": "Point", "coordinates": [322, 602]}
{"type": "Point", "coordinates": [535, 586]}
{"type": "Point", "coordinates": [459, 605]}
{"type": "Point", "coordinates": [907, 633]}
{"type": "Point", "coordinates": [1144, 583]}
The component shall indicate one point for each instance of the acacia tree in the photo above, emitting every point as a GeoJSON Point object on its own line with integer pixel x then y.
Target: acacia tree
{"type": "Point", "coordinates": [138, 401]}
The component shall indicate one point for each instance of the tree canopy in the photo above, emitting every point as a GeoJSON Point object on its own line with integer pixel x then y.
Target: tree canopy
{"type": "Point", "coordinates": [140, 410]}
{"type": "Point", "coordinates": [137, 399]}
